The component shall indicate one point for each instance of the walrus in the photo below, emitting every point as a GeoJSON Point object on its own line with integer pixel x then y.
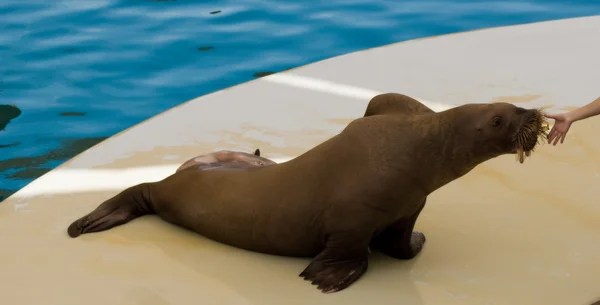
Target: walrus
{"type": "Point", "coordinates": [361, 189]}
{"type": "Point", "coordinates": [226, 160]}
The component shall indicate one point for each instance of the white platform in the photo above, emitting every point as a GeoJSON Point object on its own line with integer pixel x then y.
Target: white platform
{"type": "Point", "coordinates": [507, 233]}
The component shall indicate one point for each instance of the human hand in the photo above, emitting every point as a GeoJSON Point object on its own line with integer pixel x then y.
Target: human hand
{"type": "Point", "coordinates": [562, 123]}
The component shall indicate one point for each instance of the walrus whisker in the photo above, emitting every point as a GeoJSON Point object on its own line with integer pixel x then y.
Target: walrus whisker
{"type": "Point", "coordinates": [532, 133]}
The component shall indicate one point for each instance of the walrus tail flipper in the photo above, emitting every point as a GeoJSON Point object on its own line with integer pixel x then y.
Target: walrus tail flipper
{"type": "Point", "coordinates": [131, 203]}
{"type": "Point", "coordinates": [257, 152]}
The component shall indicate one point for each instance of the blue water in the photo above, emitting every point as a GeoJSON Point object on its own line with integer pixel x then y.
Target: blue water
{"type": "Point", "coordinates": [77, 72]}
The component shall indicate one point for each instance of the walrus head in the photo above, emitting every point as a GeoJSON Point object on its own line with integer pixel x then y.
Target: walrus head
{"type": "Point", "coordinates": [504, 128]}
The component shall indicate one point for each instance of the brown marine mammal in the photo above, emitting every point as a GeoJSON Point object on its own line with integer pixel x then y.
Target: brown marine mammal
{"type": "Point", "coordinates": [363, 188]}
{"type": "Point", "coordinates": [226, 159]}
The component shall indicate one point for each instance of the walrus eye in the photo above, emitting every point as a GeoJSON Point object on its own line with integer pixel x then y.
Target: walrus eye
{"type": "Point", "coordinates": [496, 121]}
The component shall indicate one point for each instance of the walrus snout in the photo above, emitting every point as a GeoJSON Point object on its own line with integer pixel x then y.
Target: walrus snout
{"type": "Point", "coordinates": [533, 127]}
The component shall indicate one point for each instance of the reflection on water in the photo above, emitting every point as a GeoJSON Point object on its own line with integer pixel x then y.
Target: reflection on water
{"type": "Point", "coordinates": [7, 113]}
{"type": "Point", "coordinates": [72, 113]}
{"type": "Point", "coordinates": [10, 145]}
{"type": "Point", "coordinates": [29, 168]}
{"type": "Point", "coordinates": [120, 62]}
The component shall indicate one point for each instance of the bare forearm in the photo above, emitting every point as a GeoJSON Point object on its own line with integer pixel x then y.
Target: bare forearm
{"type": "Point", "coordinates": [586, 111]}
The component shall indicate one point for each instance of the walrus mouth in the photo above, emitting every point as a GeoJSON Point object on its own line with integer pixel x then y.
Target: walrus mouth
{"type": "Point", "coordinates": [532, 132]}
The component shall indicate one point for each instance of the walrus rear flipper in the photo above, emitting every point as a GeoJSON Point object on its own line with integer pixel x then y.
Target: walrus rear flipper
{"type": "Point", "coordinates": [131, 203]}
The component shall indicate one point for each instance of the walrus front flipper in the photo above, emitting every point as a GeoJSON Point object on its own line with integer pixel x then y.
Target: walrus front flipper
{"type": "Point", "coordinates": [400, 243]}
{"type": "Point", "coordinates": [120, 209]}
{"type": "Point", "coordinates": [399, 240]}
{"type": "Point", "coordinates": [341, 263]}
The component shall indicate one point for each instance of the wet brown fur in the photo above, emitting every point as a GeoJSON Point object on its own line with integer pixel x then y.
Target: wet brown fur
{"type": "Point", "coordinates": [363, 188]}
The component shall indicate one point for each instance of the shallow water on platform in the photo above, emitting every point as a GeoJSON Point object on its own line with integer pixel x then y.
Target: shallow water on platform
{"type": "Point", "coordinates": [80, 71]}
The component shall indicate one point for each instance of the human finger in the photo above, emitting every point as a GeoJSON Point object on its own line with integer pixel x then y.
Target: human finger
{"type": "Point", "coordinates": [562, 139]}
{"type": "Point", "coordinates": [551, 135]}
{"type": "Point", "coordinates": [556, 138]}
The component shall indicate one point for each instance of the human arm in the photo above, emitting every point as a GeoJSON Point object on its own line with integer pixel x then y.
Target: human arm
{"type": "Point", "coordinates": [584, 112]}
{"type": "Point", "coordinates": [563, 121]}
